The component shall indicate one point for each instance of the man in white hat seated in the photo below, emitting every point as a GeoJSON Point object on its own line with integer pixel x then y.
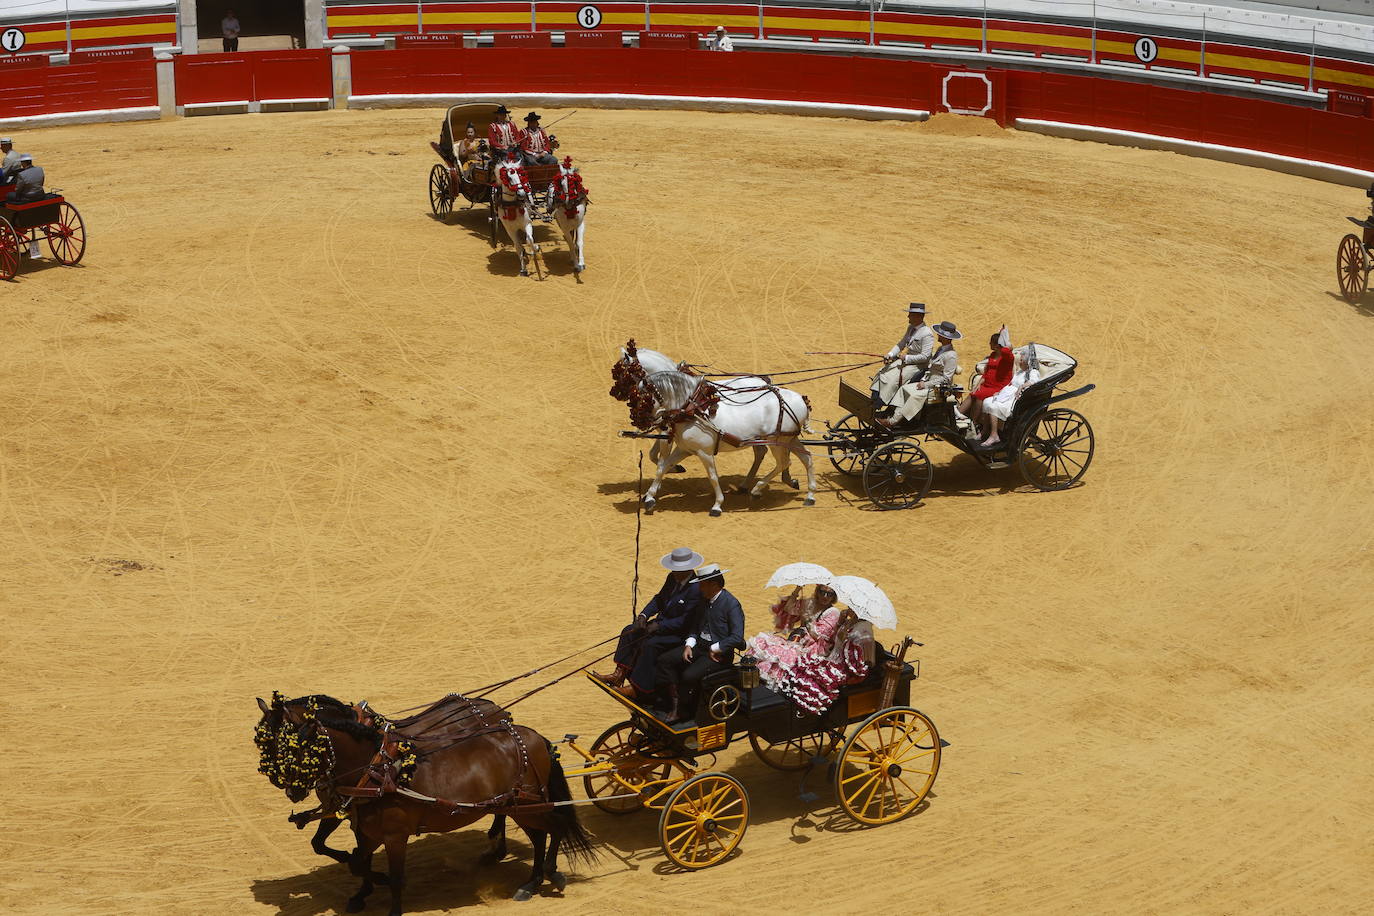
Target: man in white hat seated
{"type": "Point", "coordinates": [10, 162]}
{"type": "Point", "coordinates": [662, 627]}
{"type": "Point", "coordinates": [911, 398]}
{"type": "Point", "coordinates": [908, 360]}
{"type": "Point", "coordinates": [718, 632]}
{"type": "Point", "coordinates": [28, 183]}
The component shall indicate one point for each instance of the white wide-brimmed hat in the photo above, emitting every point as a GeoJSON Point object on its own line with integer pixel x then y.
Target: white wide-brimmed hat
{"type": "Point", "coordinates": [682, 558]}
{"type": "Point", "coordinates": [710, 571]}
{"type": "Point", "coordinates": [918, 308]}
{"type": "Point", "coordinates": [6, 140]}
{"type": "Point", "coordinates": [25, 158]}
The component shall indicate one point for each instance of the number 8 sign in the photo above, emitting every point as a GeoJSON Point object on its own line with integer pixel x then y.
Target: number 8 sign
{"type": "Point", "coordinates": [12, 40]}
{"type": "Point", "coordinates": [589, 17]}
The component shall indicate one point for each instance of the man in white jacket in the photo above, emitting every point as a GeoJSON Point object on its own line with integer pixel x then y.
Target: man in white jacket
{"type": "Point", "coordinates": [902, 367]}
{"type": "Point", "coordinates": [719, 41]}
{"type": "Point", "coordinates": [11, 161]}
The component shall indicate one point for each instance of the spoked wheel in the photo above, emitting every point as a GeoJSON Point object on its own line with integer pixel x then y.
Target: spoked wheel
{"type": "Point", "coordinates": [622, 743]}
{"type": "Point", "coordinates": [898, 475]}
{"type": "Point", "coordinates": [10, 251]}
{"type": "Point", "coordinates": [1352, 268]}
{"type": "Point", "coordinates": [440, 192]}
{"type": "Point", "coordinates": [704, 820]}
{"type": "Point", "coordinates": [844, 454]}
{"type": "Point", "coordinates": [888, 765]}
{"type": "Point", "coordinates": [67, 236]}
{"type": "Point", "coordinates": [1056, 450]}
{"type": "Point", "coordinates": [797, 753]}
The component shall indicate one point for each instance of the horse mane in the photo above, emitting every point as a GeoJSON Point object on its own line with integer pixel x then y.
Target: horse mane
{"type": "Point", "coordinates": [674, 387]}
{"type": "Point", "coordinates": [338, 715]}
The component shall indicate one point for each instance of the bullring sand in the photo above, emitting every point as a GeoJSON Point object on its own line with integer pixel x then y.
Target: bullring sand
{"type": "Point", "coordinates": [284, 430]}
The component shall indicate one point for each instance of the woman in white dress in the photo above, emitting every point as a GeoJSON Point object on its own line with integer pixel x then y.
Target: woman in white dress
{"type": "Point", "coordinates": [998, 408]}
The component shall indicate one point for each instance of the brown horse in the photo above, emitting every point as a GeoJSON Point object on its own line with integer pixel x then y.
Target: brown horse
{"type": "Point", "coordinates": [442, 785]}
{"type": "Point", "coordinates": [444, 719]}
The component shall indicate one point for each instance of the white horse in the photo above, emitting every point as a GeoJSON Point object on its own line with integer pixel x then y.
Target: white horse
{"type": "Point", "coordinates": [512, 200]}
{"type": "Point", "coordinates": [568, 198]}
{"type": "Point", "coordinates": [760, 415]}
{"type": "Point", "coordinates": [638, 363]}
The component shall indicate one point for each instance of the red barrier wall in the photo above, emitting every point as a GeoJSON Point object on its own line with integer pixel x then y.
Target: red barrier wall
{"type": "Point", "coordinates": [30, 91]}
{"type": "Point", "coordinates": [1265, 126]}
{"type": "Point", "coordinates": [254, 76]}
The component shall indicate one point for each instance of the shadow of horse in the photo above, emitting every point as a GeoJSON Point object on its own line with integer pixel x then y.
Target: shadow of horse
{"type": "Point", "coordinates": [441, 874]}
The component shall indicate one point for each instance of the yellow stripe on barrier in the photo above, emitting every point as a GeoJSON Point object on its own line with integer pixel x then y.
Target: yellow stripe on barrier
{"type": "Point", "coordinates": [816, 25]}
{"type": "Point", "coordinates": [929, 31]}
{"type": "Point", "coordinates": [1127, 49]}
{"type": "Point", "coordinates": [151, 29]}
{"type": "Point", "coordinates": [343, 22]}
{"type": "Point", "coordinates": [569, 17]}
{"type": "Point", "coordinates": [456, 18]}
{"type": "Point", "coordinates": [1041, 39]}
{"type": "Point", "coordinates": [748, 22]}
{"type": "Point", "coordinates": [52, 35]}
{"type": "Point", "coordinates": [1329, 75]}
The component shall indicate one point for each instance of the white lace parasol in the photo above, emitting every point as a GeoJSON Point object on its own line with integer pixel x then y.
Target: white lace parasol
{"type": "Point", "coordinates": [799, 574]}
{"type": "Point", "coordinates": [866, 600]}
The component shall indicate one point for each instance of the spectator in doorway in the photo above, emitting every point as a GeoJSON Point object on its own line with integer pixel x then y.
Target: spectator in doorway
{"type": "Point", "coordinates": [719, 41]}
{"type": "Point", "coordinates": [229, 25]}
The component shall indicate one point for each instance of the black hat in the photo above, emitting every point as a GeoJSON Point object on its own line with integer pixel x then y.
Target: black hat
{"type": "Point", "coordinates": [503, 110]}
{"type": "Point", "coordinates": [947, 330]}
{"type": "Point", "coordinates": [532, 116]}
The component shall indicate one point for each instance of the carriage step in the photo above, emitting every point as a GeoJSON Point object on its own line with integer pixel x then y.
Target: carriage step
{"type": "Point", "coordinates": [998, 464]}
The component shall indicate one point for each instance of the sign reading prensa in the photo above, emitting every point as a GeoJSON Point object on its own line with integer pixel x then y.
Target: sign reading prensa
{"type": "Point", "coordinates": [538, 39]}
{"type": "Point", "coordinates": [1146, 50]}
{"type": "Point", "coordinates": [12, 40]}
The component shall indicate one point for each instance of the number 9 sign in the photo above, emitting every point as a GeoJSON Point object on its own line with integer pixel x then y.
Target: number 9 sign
{"type": "Point", "coordinates": [12, 40]}
{"type": "Point", "coordinates": [589, 17]}
{"type": "Point", "coordinates": [1146, 50]}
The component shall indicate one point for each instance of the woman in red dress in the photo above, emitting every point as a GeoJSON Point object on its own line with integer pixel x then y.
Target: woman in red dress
{"type": "Point", "coordinates": [997, 369]}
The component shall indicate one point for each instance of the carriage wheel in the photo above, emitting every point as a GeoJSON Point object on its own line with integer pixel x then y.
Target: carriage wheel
{"type": "Point", "coordinates": [11, 251]}
{"type": "Point", "coordinates": [844, 452]}
{"type": "Point", "coordinates": [797, 753]}
{"type": "Point", "coordinates": [1056, 450]}
{"type": "Point", "coordinates": [898, 475]}
{"type": "Point", "coordinates": [67, 236]}
{"type": "Point", "coordinates": [1352, 269]}
{"type": "Point", "coordinates": [440, 194]}
{"type": "Point", "coordinates": [704, 820]}
{"type": "Point", "coordinates": [888, 765]}
{"type": "Point", "coordinates": [621, 744]}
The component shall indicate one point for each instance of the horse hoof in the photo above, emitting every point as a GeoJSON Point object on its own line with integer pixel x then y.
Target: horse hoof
{"type": "Point", "coordinates": [809, 501]}
{"type": "Point", "coordinates": [794, 484]}
{"type": "Point", "coordinates": [355, 904]}
{"type": "Point", "coordinates": [649, 506]}
{"type": "Point", "coordinates": [523, 894]}
{"type": "Point", "coordinates": [558, 880]}
{"type": "Point", "coordinates": [715, 513]}
{"type": "Point", "coordinates": [524, 273]}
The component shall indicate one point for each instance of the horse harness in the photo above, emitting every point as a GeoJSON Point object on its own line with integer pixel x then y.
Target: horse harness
{"type": "Point", "coordinates": [380, 776]}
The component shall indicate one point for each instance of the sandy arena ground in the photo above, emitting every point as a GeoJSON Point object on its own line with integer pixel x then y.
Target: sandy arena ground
{"type": "Point", "coordinates": [284, 430]}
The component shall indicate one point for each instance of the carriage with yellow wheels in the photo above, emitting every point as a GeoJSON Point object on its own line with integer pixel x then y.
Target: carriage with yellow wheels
{"type": "Point", "coordinates": [882, 753]}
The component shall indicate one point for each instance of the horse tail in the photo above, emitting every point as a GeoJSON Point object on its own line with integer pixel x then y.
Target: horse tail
{"type": "Point", "coordinates": [576, 841]}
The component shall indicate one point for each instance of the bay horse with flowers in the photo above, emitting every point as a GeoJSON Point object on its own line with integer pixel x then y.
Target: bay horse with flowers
{"type": "Point", "coordinates": [399, 782]}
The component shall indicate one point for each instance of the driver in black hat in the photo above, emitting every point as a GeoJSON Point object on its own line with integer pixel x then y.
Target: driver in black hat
{"type": "Point", "coordinates": [502, 135]}
{"type": "Point", "coordinates": [718, 633]}
{"type": "Point", "coordinates": [536, 144]}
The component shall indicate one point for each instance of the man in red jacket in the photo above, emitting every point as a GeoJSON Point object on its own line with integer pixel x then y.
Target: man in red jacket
{"type": "Point", "coordinates": [502, 135]}
{"type": "Point", "coordinates": [536, 144]}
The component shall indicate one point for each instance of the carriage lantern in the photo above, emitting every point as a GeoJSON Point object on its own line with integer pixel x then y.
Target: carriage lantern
{"type": "Point", "coordinates": [748, 672]}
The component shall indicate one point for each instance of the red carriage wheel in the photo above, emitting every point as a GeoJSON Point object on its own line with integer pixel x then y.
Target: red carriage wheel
{"type": "Point", "coordinates": [10, 251]}
{"type": "Point", "coordinates": [1352, 268]}
{"type": "Point", "coordinates": [67, 236]}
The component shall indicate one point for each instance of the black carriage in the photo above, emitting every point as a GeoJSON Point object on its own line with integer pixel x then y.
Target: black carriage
{"type": "Point", "coordinates": [1052, 446]}
{"type": "Point", "coordinates": [882, 768]}
{"type": "Point", "coordinates": [23, 225]}
{"type": "Point", "coordinates": [447, 182]}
